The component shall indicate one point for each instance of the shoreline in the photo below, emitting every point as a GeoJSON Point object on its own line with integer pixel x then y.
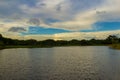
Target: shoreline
{"type": "Point", "coordinates": [6, 43]}
{"type": "Point", "coordinates": [19, 46]}
{"type": "Point", "coordinates": [115, 46]}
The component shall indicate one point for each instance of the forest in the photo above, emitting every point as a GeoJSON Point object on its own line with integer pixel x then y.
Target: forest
{"type": "Point", "coordinates": [111, 40]}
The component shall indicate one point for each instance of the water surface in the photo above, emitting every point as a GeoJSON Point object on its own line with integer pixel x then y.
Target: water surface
{"type": "Point", "coordinates": [60, 63]}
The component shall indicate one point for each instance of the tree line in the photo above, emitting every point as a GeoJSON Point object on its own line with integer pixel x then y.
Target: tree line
{"type": "Point", "coordinates": [111, 39]}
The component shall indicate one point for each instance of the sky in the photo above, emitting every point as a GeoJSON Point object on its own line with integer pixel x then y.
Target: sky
{"type": "Point", "coordinates": [59, 19]}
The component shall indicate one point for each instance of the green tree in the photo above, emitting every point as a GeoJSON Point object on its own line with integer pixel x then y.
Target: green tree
{"type": "Point", "coordinates": [112, 39]}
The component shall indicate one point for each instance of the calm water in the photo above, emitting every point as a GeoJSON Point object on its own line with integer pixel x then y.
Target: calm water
{"type": "Point", "coordinates": [61, 63]}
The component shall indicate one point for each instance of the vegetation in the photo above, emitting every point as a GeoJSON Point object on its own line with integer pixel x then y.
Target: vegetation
{"type": "Point", "coordinates": [115, 46]}
{"type": "Point", "coordinates": [112, 40]}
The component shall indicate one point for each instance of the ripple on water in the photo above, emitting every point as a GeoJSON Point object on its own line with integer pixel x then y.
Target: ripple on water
{"type": "Point", "coordinates": [61, 63]}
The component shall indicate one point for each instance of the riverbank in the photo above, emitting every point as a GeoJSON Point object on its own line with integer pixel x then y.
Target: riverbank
{"type": "Point", "coordinates": [115, 46]}
{"type": "Point", "coordinates": [29, 46]}
{"type": "Point", "coordinates": [31, 43]}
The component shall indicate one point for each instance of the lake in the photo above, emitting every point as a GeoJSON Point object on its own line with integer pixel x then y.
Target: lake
{"type": "Point", "coordinates": [60, 63]}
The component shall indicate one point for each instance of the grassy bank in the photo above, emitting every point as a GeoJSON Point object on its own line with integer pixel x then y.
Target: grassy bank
{"type": "Point", "coordinates": [115, 46]}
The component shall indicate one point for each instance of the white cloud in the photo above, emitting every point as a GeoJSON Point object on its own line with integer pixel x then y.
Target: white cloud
{"type": "Point", "coordinates": [72, 17]}
{"type": "Point", "coordinates": [65, 36]}
{"type": "Point", "coordinates": [82, 21]}
{"type": "Point", "coordinates": [87, 35]}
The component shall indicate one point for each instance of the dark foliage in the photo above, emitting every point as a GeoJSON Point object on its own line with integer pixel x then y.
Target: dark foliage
{"type": "Point", "coordinates": [46, 43]}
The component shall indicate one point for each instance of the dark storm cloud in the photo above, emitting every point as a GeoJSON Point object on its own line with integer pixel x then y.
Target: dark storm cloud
{"type": "Point", "coordinates": [17, 29]}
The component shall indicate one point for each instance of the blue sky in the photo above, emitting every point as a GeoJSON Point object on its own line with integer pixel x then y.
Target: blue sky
{"type": "Point", "coordinates": [104, 26]}
{"type": "Point", "coordinates": [41, 30]}
{"type": "Point", "coordinates": [66, 18]}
